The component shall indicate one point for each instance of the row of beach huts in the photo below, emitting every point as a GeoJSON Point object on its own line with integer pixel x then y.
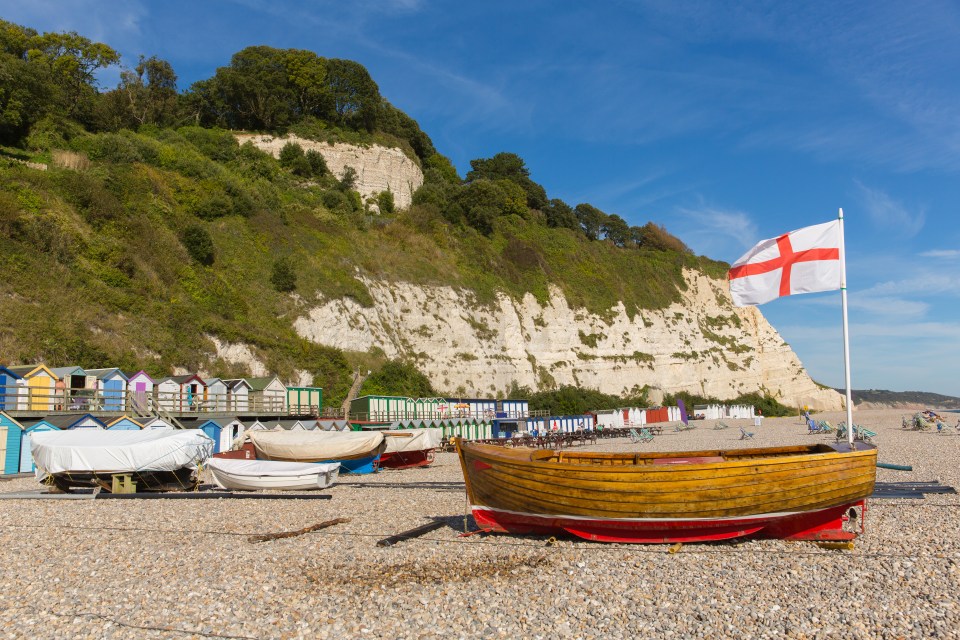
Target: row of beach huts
{"type": "Point", "coordinates": [41, 388]}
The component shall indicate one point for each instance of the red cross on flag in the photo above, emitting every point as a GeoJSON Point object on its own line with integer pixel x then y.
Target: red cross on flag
{"type": "Point", "coordinates": [802, 261]}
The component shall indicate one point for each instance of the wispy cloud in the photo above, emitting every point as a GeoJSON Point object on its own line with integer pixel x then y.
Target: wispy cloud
{"type": "Point", "coordinates": [889, 213]}
{"type": "Point", "coordinates": [950, 254]}
{"type": "Point", "coordinates": [713, 231]}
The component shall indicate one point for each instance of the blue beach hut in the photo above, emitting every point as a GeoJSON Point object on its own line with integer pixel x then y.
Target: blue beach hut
{"type": "Point", "coordinates": [12, 388]}
{"type": "Point", "coordinates": [112, 384]}
{"type": "Point", "coordinates": [29, 428]}
{"type": "Point", "coordinates": [211, 428]}
{"type": "Point", "coordinates": [11, 432]}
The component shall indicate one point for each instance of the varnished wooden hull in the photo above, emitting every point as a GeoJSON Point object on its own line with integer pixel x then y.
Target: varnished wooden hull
{"type": "Point", "coordinates": [801, 492]}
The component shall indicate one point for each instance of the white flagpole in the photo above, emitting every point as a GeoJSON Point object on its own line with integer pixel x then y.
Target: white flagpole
{"type": "Point", "coordinates": [846, 333]}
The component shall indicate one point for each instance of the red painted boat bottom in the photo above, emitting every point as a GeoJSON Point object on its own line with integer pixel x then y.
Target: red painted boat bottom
{"type": "Point", "coordinates": [822, 525]}
{"type": "Point", "coordinates": [406, 459]}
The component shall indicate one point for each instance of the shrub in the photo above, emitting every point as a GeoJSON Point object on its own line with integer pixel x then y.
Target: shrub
{"type": "Point", "coordinates": [199, 244]}
{"type": "Point", "coordinates": [283, 277]}
{"type": "Point", "coordinates": [385, 202]}
{"type": "Point", "coordinates": [318, 166]}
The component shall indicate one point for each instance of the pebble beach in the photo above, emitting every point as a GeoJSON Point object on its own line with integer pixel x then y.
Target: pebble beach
{"type": "Point", "coordinates": [186, 569]}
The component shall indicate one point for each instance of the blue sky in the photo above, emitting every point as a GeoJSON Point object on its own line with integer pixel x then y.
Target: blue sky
{"type": "Point", "coordinates": [726, 124]}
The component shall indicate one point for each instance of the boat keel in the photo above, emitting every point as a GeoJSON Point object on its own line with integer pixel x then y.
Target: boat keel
{"type": "Point", "coordinates": [823, 525]}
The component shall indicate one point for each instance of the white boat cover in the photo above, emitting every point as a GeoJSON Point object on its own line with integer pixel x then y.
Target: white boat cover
{"type": "Point", "coordinates": [315, 445]}
{"type": "Point", "coordinates": [119, 451]}
{"type": "Point", "coordinates": [413, 439]}
{"type": "Point", "coordinates": [272, 468]}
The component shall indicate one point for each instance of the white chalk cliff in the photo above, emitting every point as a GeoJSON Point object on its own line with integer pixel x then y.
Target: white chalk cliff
{"type": "Point", "coordinates": [378, 168]}
{"type": "Point", "coordinates": [701, 344]}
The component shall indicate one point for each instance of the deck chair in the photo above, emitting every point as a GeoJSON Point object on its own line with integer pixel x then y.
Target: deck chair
{"type": "Point", "coordinates": [721, 425]}
{"type": "Point", "coordinates": [863, 434]}
{"type": "Point", "coordinates": [905, 424]}
{"type": "Point", "coordinates": [643, 435]}
{"type": "Point", "coordinates": [745, 435]}
{"type": "Point", "coordinates": [922, 424]}
{"type": "Point", "coordinates": [826, 427]}
{"type": "Point", "coordinates": [685, 427]}
{"type": "Point", "coordinates": [813, 427]}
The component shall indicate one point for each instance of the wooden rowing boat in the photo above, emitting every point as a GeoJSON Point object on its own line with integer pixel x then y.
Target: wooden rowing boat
{"type": "Point", "coordinates": [796, 493]}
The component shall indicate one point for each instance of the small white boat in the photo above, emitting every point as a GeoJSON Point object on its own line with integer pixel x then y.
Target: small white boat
{"type": "Point", "coordinates": [253, 475]}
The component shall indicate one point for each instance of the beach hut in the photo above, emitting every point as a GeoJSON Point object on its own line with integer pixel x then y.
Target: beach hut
{"type": "Point", "coordinates": [513, 408]}
{"type": "Point", "coordinates": [123, 423]}
{"type": "Point", "coordinates": [304, 401]}
{"type": "Point", "coordinates": [268, 394]}
{"type": "Point", "coordinates": [41, 386]}
{"type": "Point", "coordinates": [156, 423]}
{"type": "Point", "coordinates": [216, 395]}
{"type": "Point", "coordinates": [211, 428]}
{"type": "Point", "coordinates": [111, 388]}
{"type": "Point", "coordinates": [29, 428]}
{"type": "Point", "coordinates": [13, 391]}
{"type": "Point", "coordinates": [140, 391]}
{"type": "Point", "coordinates": [232, 429]}
{"type": "Point", "coordinates": [180, 393]}
{"type": "Point", "coordinates": [72, 388]}
{"type": "Point", "coordinates": [68, 421]}
{"type": "Point", "coordinates": [381, 408]}
{"type": "Point", "coordinates": [11, 432]}
{"type": "Point", "coordinates": [238, 395]}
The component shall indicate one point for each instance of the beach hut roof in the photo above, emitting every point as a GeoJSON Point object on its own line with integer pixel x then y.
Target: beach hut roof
{"type": "Point", "coordinates": [122, 418]}
{"type": "Point", "coordinates": [106, 373]}
{"type": "Point", "coordinates": [6, 418]}
{"type": "Point", "coordinates": [26, 370]}
{"type": "Point", "coordinates": [63, 372]}
{"type": "Point", "coordinates": [35, 422]}
{"type": "Point", "coordinates": [233, 383]}
{"type": "Point", "coordinates": [130, 376]}
{"type": "Point", "coordinates": [259, 384]}
{"type": "Point", "coordinates": [184, 379]}
{"type": "Point", "coordinates": [10, 371]}
{"type": "Point", "coordinates": [66, 421]}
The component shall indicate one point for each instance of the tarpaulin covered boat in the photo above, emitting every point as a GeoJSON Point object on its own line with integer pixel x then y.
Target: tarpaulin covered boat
{"type": "Point", "coordinates": [796, 492]}
{"type": "Point", "coordinates": [157, 460]}
{"type": "Point", "coordinates": [410, 447]}
{"type": "Point", "coordinates": [356, 451]}
{"type": "Point", "coordinates": [252, 475]}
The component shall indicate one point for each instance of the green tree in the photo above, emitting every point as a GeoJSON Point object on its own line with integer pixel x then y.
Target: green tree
{"type": "Point", "coordinates": [561, 216]}
{"type": "Point", "coordinates": [356, 97]}
{"type": "Point", "coordinates": [398, 378]}
{"type": "Point", "coordinates": [616, 230]}
{"type": "Point", "coordinates": [509, 166]}
{"type": "Point", "coordinates": [72, 61]}
{"type": "Point", "coordinates": [591, 219]}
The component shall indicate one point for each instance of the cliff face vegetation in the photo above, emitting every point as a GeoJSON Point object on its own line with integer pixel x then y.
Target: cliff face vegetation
{"type": "Point", "coordinates": [254, 221]}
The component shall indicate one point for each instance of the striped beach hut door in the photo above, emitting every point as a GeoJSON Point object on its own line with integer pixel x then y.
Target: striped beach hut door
{"type": "Point", "coordinates": [140, 396]}
{"type": "Point", "coordinates": [26, 458]}
{"type": "Point", "coordinates": [112, 393]}
{"type": "Point", "coordinates": [7, 390]}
